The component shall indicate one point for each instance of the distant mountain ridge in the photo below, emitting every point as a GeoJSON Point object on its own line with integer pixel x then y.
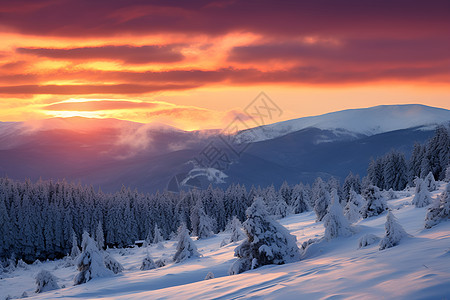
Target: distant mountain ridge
{"type": "Point", "coordinates": [109, 153]}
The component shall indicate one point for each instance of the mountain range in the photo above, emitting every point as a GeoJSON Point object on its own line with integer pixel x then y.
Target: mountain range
{"type": "Point", "coordinates": [109, 153]}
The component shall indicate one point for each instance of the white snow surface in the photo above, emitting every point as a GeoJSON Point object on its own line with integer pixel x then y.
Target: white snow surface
{"type": "Point", "coordinates": [366, 121]}
{"type": "Point", "coordinates": [417, 268]}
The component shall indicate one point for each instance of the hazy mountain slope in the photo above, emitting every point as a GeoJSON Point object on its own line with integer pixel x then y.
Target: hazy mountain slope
{"type": "Point", "coordinates": [109, 153]}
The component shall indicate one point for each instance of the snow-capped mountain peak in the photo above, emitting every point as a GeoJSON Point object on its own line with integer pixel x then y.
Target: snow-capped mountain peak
{"type": "Point", "coordinates": [362, 121]}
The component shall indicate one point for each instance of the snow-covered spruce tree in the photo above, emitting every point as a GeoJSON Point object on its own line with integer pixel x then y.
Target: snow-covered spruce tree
{"type": "Point", "coordinates": [351, 182]}
{"type": "Point", "coordinates": [300, 199]}
{"type": "Point", "coordinates": [112, 264]}
{"type": "Point", "coordinates": [90, 262]}
{"type": "Point", "coordinates": [267, 242]}
{"type": "Point", "coordinates": [321, 199]}
{"type": "Point", "coordinates": [202, 224]}
{"type": "Point", "coordinates": [335, 223]}
{"type": "Point", "coordinates": [375, 172]}
{"type": "Point", "coordinates": [236, 232]}
{"type": "Point", "coordinates": [447, 174]}
{"type": "Point", "coordinates": [430, 182]}
{"type": "Point", "coordinates": [22, 265]}
{"type": "Point", "coordinates": [422, 196]}
{"type": "Point", "coordinates": [157, 237]}
{"type": "Point", "coordinates": [352, 210]}
{"type": "Point", "coordinates": [278, 207]}
{"type": "Point", "coordinates": [394, 232]}
{"type": "Point", "coordinates": [286, 192]}
{"type": "Point", "coordinates": [45, 281]}
{"type": "Point", "coordinates": [149, 238]}
{"type": "Point", "coordinates": [148, 263]}
{"type": "Point", "coordinates": [415, 162]}
{"type": "Point", "coordinates": [437, 155]}
{"type": "Point", "coordinates": [185, 247]}
{"type": "Point", "coordinates": [375, 203]}
{"type": "Point", "coordinates": [75, 250]}
{"type": "Point", "coordinates": [99, 236]}
{"type": "Point", "coordinates": [439, 210]}
{"type": "Point", "coordinates": [333, 183]}
{"type": "Point", "coordinates": [159, 263]}
{"type": "Point", "coordinates": [235, 227]}
{"type": "Point", "coordinates": [395, 173]}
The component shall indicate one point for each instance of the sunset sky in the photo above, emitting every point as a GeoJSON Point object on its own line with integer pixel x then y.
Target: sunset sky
{"type": "Point", "coordinates": [197, 64]}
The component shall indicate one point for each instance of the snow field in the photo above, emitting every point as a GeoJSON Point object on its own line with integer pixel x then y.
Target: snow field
{"type": "Point", "coordinates": [418, 268]}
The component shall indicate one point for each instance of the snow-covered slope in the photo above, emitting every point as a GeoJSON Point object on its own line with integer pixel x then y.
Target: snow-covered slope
{"type": "Point", "coordinates": [418, 268]}
{"type": "Point", "coordinates": [363, 121]}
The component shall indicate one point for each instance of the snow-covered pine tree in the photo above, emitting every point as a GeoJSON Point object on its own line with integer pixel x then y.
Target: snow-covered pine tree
{"type": "Point", "coordinates": [447, 174]}
{"type": "Point", "coordinates": [286, 193]}
{"type": "Point", "coordinates": [335, 223]}
{"type": "Point", "coordinates": [300, 199]}
{"type": "Point", "coordinates": [415, 162]}
{"type": "Point", "coordinates": [159, 263]}
{"type": "Point", "coordinates": [425, 166]}
{"type": "Point", "coordinates": [375, 172]}
{"type": "Point", "coordinates": [112, 264]}
{"type": "Point", "coordinates": [437, 155]}
{"type": "Point", "coordinates": [333, 183]}
{"type": "Point", "coordinates": [269, 194]}
{"type": "Point", "coordinates": [202, 224]}
{"type": "Point", "coordinates": [99, 236]}
{"type": "Point", "coordinates": [375, 203]}
{"type": "Point", "coordinates": [430, 182]}
{"type": "Point", "coordinates": [90, 262]}
{"type": "Point", "coordinates": [148, 263]}
{"type": "Point", "coordinates": [352, 210]}
{"type": "Point", "coordinates": [185, 247]}
{"type": "Point", "coordinates": [75, 250]}
{"type": "Point", "coordinates": [46, 281]}
{"type": "Point", "coordinates": [422, 196]}
{"type": "Point", "coordinates": [267, 242]}
{"type": "Point", "coordinates": [321, 198]}
{"type": "Point", "coordinates": [236, 232]}
{"type": "Point", "coordinates": [157, 237]}
{"type": "Point", "coordinates": [395, 174]}
{"type": "Point", "coordinates": [394, 232]}
{"type": "Point", "coordinates": [278, 207]}
{"type": "Point", "coordinates": [213, 206]}
{"type": "Point", "coordinates": [351, 182]}
{"type": "Point", "coordinates": [439, 210]}
{"type": "Point", "coordinates": [22, 265]}
{"type": "Point", "coordinates": [5, 229]}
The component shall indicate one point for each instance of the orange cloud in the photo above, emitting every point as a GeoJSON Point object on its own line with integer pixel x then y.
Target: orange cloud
{"type": "Point", "coordinates": [180, 116]}
{"type": "Point", "coordinates": [99, 105]}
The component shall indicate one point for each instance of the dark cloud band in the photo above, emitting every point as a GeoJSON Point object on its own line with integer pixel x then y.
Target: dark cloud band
{"type": "Point", "coordinates": [125, 53]}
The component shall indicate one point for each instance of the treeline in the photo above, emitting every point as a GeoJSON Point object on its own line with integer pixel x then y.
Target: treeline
{"type": "Point", "coordinates": [393, 171]}
{"type": "Point", "coordinates": [38, 220]}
